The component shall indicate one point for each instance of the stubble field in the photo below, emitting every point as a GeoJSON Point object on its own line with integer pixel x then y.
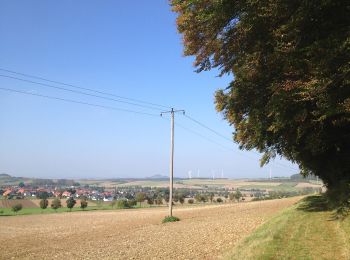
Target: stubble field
{"type": "Point", "coordinates": [203, 233]}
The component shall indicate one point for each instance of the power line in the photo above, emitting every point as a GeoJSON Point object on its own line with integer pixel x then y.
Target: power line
{"type": "Point", "coordinates": [78, 102]}
{"type": "Point", "coordinates": [78, 92]}
{"type": "Point", "coordinates": [228, 139]}
{"type": "Point", "coordinates": [208, 128]}
{"type": "Point", "coordinates": [83, 88]}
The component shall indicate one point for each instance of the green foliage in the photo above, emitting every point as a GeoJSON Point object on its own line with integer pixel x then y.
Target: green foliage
{"type": "Point", "coordinates": [200, 197]}
{"type": "Point", "coordinates": [21, 184]}
{"type": "Point", "coordinates": [150, 201]}
{"type": "Point", "coordinates": [42, 195]}
{"type": "Point", "coordinates": [159, 200]}
{"type": "Point", "coordinates": [83, 204]}
{"type": "Point", "coordinates": [291, 90]}
{"type": "Point", "coordinates": [170, 219]}
{"type": "Point", "coordinates": [56, 203]}
{"type": "Point", "coordinates": [132, 202]}
{"type": "Point", "coordinates": [123, 204]}
{"type": "Point", "coordinates": [190, 201]}
{"type": "Point", "coordinates": [140, 197]}
{"type": "Point", "coordinates": [113, 203]}
{"type": "Point", "coordinates": [70, 203]}
{"type": "Point", "coordinates": [44, 203]}
{"type": "Point", "coordinates": [17, 207]}
{"type": "Point", "coordinates": [219, 200]}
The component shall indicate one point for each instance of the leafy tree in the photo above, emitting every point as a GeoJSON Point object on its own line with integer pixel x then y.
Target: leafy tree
{"type": "Point", "coordinates": [83, 204]}
{"type": "Point", "coordinates": [140, 197]}
{"type": "Point", "coordinates": [17, 207]}
{"type": "Point", "coordinates": [56, 203]}
{"type": "Point", "coordinates": [290, 95]}
{"type": "Point", "coordinates": [190, 201]}
{"type": "Point", "coordinates": [150, 201]}
{"type": "Point", "coordinates": [182, 199]}
{"type": "Point", "coordinates": [231, 196]}
{"type": "Point", "coordinates": [42, 195]}
{"type": "Point", "coordinates": [159, 200]}
{"type": "Point", "coordinates": [21, 184]}
{"type": "Point", "coordinates": [238, 195]}
{"type": "Point", "coordinates": [211, 196]}
{"type": "Point", "coordinates": [70, 203]}
{"type": "Point", "coordinates": [44, 203]}
{"type": "Point", "coordinates": [219, 200]}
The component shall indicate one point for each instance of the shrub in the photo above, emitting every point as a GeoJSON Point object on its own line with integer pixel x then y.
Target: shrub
{"type": "Point", "coordinates": [70, 203]}
{"type": "Point", "coordinates": [44, 203]}
{"type": "Point", "coordinates": [17, 207]}
{"type": "Point", "coordinates": [123, 204]}
{"type": "Point", "coordinates": [219, 200]}
{"type": "Point", "coordinates": [56, 203]}
{"type": "Point", "coordinates": [170, 219]}
{"type": "Point", "coordinates": [132, 202]}
{"type": "Point", "coordinates": [83, 204]}
{"type": "Point", "coordinates": [190, 201]}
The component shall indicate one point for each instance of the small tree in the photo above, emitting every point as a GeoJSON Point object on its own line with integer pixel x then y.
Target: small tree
{"type": "Point", "coordinates": [219, 200]}
{"type": "Point", "coordinates": [55, 204]}
{"type": "Point", "coordinates": [21, 184]}
{"type": "Point", "coordinates": [44, 203]}
{"type": "Point", "coordinates": [83, 204]}
{"type": "Point", "coordinates": [70, 203]}
{"type": "Point", "coordinates": [190, 201]}
{"type": "Point", "coordinates": [211, 197]}
{"type": "Point", "coordinates": [182, 199]}
{"type": "Point", "coordinates": [17, 207]}
{"type": "Point", "coordinates": [150, 201]}
{"type": "Point", "coordinates": [238, 195]}
{"type": "Point", "coordinates": [159, 200]}
{"type": "Point", "coordinates": [140, 197]}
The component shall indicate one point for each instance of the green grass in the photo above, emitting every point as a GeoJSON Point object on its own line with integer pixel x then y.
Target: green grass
{"type": "Point", "coordinates": [33, 211]}
{"type": "Point", "coordinates": [170, 219]}
{"type": "Point", "coordinates": [308, 230]}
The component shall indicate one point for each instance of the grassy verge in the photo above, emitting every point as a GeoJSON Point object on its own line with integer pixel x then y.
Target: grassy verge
{"type": "Point", "coordinates": [307, 230]}
{"type": "Point", "coordinates": [33, 211]}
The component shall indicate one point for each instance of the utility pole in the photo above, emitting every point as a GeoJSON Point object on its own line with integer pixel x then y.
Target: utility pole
{"type": "Point", "coordinates": [171, 179]}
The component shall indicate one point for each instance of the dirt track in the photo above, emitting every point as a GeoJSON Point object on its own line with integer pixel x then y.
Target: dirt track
{"type": "Point", "coordinates": [203, 232]}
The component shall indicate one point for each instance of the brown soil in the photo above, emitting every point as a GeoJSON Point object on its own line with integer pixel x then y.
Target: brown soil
{"type": "Point", "coordinates": [203, 233]}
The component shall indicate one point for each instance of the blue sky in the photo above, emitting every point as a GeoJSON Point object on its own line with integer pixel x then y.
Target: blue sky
{"type": "Point", "coordinates": [129, 48]}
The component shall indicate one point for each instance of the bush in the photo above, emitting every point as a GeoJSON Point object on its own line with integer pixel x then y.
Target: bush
{"type": "Point", "coordinates": [17, 207]}
{"type": "Point", "coordinates": [70, 203]}
{"type": "Point", "coordinates": [190, 201]}
{"type": "Point", "coordinates": [170, 219]}
{"type": "Point", "coordinates": [44, 203]}
{"type": "Point", "coordinates": [123, 204]}
{"type": "Point", "coordinates": [132, 202]}
{"type": "Point", "coordinates": [56, 203]}
{"type": "Point", "coordinates": [83, 204]}
{"type": "Point", "coordinates": [219, 200]}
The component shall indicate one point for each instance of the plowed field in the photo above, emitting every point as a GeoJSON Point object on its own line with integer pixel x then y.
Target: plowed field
{"type": "Point", "coordinates": [203, 232]}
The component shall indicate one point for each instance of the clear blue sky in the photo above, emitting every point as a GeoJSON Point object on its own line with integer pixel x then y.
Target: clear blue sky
{"type": "Point", "coordinates": [132, 49]}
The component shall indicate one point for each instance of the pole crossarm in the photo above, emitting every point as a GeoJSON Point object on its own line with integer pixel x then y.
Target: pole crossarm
{"type": "Point", "coordinates": [172, 111]}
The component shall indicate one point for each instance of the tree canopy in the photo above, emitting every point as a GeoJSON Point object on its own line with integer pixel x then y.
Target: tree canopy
{"type": "Point", "coordinates": [290, 61]}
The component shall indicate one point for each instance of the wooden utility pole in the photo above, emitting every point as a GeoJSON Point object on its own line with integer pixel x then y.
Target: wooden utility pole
{"type": "Point", "coordinates": [171, 172]}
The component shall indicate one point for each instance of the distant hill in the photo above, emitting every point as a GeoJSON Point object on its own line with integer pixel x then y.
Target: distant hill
{"type": "Point", "coordinates": [157, 177]}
